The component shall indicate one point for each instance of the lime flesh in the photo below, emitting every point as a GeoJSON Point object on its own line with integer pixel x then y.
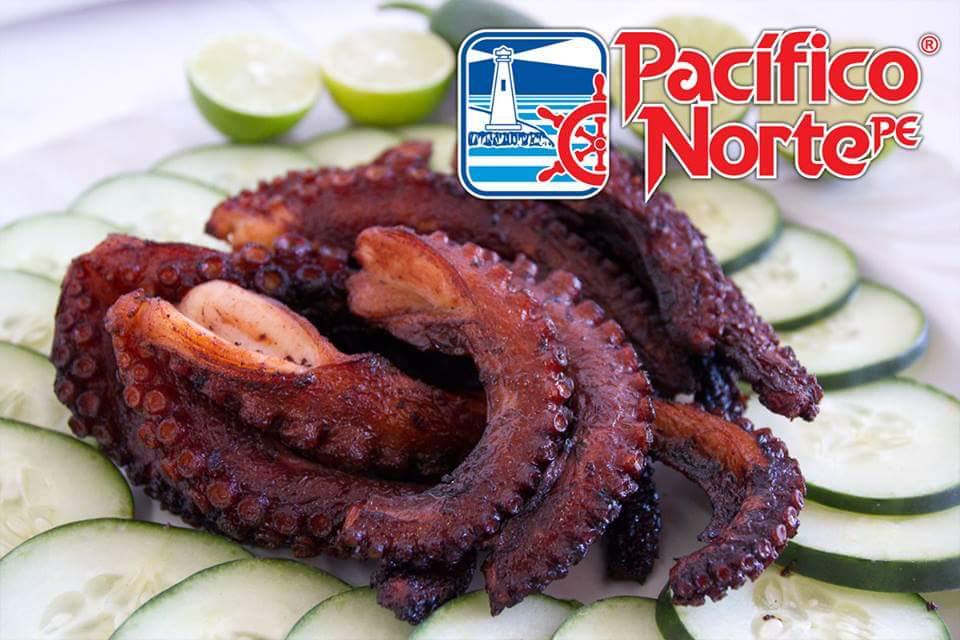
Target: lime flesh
{"type": "Point", "coordinates": [252, 88]}
{"type": "Point", "coordinates": [388, 77]}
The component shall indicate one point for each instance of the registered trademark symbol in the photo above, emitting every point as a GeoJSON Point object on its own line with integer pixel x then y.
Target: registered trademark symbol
{"type": "Point", "coordinates": [929, 43]}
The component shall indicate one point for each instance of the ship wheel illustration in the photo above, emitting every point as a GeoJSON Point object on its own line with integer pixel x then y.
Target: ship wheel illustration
{"type": "Point", "coordinates": [571, 127]}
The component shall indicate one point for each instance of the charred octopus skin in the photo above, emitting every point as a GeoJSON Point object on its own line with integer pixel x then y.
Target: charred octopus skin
{"type": "Point", "coordinates": [413, 594]}
{"type": "Point", "coordinates": [332, 206]}
{"type": "Point", "coordinates": [755, 488]}
{"type": "Point", "coordinates": [460, 299]}
{"type": "Point", "coordinates": [633, 539]}
{"type": "Point", "coordinates": [613, 410]}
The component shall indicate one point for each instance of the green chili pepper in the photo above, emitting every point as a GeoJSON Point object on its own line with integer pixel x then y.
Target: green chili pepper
{"type": "Point", "coordinates": [454, 20]}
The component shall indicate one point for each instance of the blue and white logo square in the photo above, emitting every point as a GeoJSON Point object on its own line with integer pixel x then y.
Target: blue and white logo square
{"type": "Point", "coordinates": [534, 114]}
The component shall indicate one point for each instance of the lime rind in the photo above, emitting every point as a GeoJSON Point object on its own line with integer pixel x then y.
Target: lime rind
{"type": "Point", "coordinates": [252, 88]}
{"type": "Point", "coordinates": [243, 127]}
{"type": "Point", "coordinates": [388, 78]}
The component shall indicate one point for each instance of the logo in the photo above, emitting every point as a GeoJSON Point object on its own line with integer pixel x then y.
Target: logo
{"type": "Point", "coordinates": [534, 114]}
{"type": "Point", "coordinates": [889, 78]}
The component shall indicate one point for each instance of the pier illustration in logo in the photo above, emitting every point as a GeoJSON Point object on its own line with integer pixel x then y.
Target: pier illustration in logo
{"type": "Point", "coordinates": [534, 114]}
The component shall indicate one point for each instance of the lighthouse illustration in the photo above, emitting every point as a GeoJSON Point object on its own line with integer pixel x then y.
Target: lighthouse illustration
{"type": "Point", "coordinates": [503, 106]}
{"type": "Point", "coordinates": [538, 128]}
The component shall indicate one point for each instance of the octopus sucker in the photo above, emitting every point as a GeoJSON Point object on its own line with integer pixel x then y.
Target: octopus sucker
{"type": "Point", "coordinates": [332, 206]}
{"type": "Point", "coordinates": [436, 294]}
{"type": "Point", "coordinates": [708, 313]}
{"type": "Point", "coordinates": [755, 488]}
{"type": "Point", "coordinates": [611, 434]}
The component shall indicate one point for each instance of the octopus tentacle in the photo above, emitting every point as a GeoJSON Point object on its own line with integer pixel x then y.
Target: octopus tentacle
{"type": "Point", "coordinates": [332, 206]}
{"type": "Point", "coordinates": [459, 299]}
{"type": "Point", "coordinates": [354, 412]}
{"type": "Point", "coordinates": [756, 490]}
{"type": "Point", "coordinates": [633, 539]}
{"type": "Point", "coordinates": [413, 594]}
{"type": "Point", "coordinates": [613, 412]}
{"type": "Point", "coordinates": [269, 369]}
{"type": "Point", "coordinates": [244, 485]}
{"type": "Point", "coordinates": [196, 463]}
{"type": "Point", "coordinates": [82, 351]}
{"type": "Point", "coordinates": [708, 314]}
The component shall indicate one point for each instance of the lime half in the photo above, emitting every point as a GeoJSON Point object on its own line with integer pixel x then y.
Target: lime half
{"type": "Point", "coordinates": [388, 77]}
{"type": "Point", "coordinates": [835, 111]}
{"type": "Point", "coordinates": [252, 88]}
{"type": "Point", "coordinates": [712, 37]}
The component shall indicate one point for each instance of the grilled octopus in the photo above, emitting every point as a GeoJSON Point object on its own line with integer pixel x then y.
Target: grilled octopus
{"type": "Point", "coordinates": [708, 314]}
{"type": "Point", "coordinates": [689, 323]}
{"type": "Point", "coordinates": [209, 377]}
{"type": "Point", "coordinates": [332, 206]}
{"type": "Point", "coordinates": [436, 294]}
{"type": "Point", "coordinates": [604, 458]}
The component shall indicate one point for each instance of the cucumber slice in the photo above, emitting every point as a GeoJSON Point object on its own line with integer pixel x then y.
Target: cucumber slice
{"type": "Point", "coordinates": [612, 619]}
{"type": "Point", "coordinates": [862, 433]}
{"type": "Point", "coordinates": [234, 167]}
{"type": "Point", "coordinates": [794, 607]}
{"type": "Point", "coordinates": [45, 244]}
{"type": "Point", "coordinates": [352, 615]}
{"type": "Point", "coordinates": [877, 553]}
{"type": "Point", "coordinates": [48, 479]}
{"type": "Point", "coordinates": [468, 618]}
{"type": "Point", "coordinates": [83, 579]}
{"type": "Point", "coordinates": [806, 276]}
{"type": "Point", "coordinates": [443, 137]}
{"type": "Point", "coordinates": [154, 205]}
{"type": "Point", "coordinates": [349, 147]}
{"type": "Point", "coordinates": [876, 334]}
{"type": "Point", "coordinates": [26, 389]}
{"type": "Point", "coordinates": [26, 318]}
{"type": "Point", "coordinates": [740, 221]}
{"type": "Point", "coordinates": [260, 598]}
